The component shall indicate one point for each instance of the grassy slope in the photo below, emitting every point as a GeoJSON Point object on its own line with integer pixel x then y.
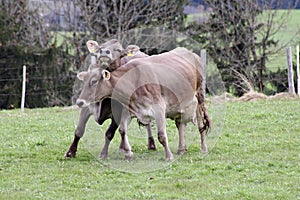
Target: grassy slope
{"type": "Point", "coordinates": [257, 157]}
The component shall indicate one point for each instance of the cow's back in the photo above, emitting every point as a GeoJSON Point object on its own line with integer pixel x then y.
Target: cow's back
{"type": "Point", "coordinates": [184, 62]}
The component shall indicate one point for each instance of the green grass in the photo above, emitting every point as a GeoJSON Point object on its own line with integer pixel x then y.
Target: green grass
{"type": "Point", "coordinates": [256, 157]}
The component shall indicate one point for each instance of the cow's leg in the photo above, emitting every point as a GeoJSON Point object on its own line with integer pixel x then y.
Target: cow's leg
{"type": "Point", "coordinates": [201, 130]}
{"type": "Point", "coordinates": [79, 132]}
{"type": "Point", "coordinates": [109, 135]}
{"type": "Point", "coordinates": [162, 133]}
{"type": "Point", "coordinates": [151, 142]}
{"type": "Point", "coordinates": [125, 146]}
{"type": "Point", "coordinates": [181, 131]}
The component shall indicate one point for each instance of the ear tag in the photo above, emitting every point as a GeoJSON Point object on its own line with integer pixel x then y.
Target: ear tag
{"type": "Point", "coordinates": [130, 54]}
{"type": "Point", "coordinates": [106, 75]}
{"type": "Point", "coordinates": [92, 49]}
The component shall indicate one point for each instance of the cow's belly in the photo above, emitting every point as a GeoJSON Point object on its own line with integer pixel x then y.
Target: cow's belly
{"type": "Point", "coordinates": [144, 115]}
{"type": "Point", "coordinates": [184, 112]}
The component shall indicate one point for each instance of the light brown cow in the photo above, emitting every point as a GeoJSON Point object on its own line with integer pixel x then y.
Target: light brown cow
{"type": "Point", "coordinates": [152, 88]}
{"type": "Point", "coordinates": [102, 110]}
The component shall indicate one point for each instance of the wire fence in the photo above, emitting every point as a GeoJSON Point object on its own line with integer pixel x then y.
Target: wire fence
{"type": "Point", "coordinates": [42, 89]}
{"type": "Point", "coordinates": [67, 95]}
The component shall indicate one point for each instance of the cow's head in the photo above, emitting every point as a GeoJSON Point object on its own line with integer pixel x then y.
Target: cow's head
{"type": "Point", "coordinates": [95, 86]}
{"type": "Point", "coordinates": [108, 54]}
{"type": "Point", "coordinates": [111, 54]}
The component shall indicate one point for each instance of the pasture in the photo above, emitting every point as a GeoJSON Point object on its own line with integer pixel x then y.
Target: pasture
{"type": "Point", "coordinates": [257, 156]}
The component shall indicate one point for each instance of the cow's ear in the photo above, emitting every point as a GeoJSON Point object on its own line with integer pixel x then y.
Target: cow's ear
{"type": "Point", "coordinates": [106, 75]}
{"type": "Point", "coordinates": [81, 75]}
{"type": "Point", "coordinates": [132, 49]}
{"type": "Point", "coordinates": [92, 46]}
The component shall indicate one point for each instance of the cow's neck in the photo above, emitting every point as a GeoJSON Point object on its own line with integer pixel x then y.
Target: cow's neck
{"type": "Point", "coordinates": [114, 65]}
{"type": "Point", "coordinates": [122, 86]}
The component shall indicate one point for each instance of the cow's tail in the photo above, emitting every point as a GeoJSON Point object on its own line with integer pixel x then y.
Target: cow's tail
{"type": "Point", "coordinates": [203, 119]}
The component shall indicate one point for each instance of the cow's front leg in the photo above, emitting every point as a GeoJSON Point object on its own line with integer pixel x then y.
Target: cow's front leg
{"type": "Point", "coordinates": [109, 135]}
{"type": "Point", "coordinates": [162, 133]}
{"type": "Point", "coordinates": [79, 132]}
{"type": "Point", "coordinates": [71, 153]}
{"type": "Point", "coordinates": [151, 142]}
{"type": "Point", "coordinates": [125, 146]}
{"type": "Point", "coordinates": [181, 131]}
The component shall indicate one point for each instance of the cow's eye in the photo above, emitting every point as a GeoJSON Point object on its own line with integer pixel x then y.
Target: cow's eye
{"type": "Point", "coordinates": [94, 82]}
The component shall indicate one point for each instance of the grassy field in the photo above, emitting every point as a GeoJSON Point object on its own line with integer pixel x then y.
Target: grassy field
{"type": "Point", "coordinates": [257, 156]}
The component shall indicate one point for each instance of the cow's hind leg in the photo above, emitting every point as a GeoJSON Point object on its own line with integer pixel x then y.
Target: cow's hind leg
{"type": "Point", "coordinates": [181, 131]}
{"type": "Point", "coordinates": [79, 132]}
{"type": "Point", "coordinates": [151, 142]}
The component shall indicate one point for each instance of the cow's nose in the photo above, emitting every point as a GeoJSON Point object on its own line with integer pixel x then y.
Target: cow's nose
{"type": "Point", "coordinates": [105, 57]}
{"type": "Point", "coordinates": [105, 52]}
{"type": "Point", "coordinates": [80, 103]}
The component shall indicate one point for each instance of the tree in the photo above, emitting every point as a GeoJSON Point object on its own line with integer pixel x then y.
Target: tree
{"type": "Point", "coordinates": [240, 36]}
{"type": "Point", "coordinates": [101, 20]}
{"type": "Point", "coordinates": [50, 38]}
{"type": "Point", "coordinates": [24, 40]}
{"type": "Point", "coordinates": [147, 23]}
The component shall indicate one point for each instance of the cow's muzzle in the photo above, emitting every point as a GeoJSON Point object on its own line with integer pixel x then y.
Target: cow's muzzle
{"type": "Point", "coordinates": [81, 103]}
{"type": "Point", "coordinates": [105, 55]}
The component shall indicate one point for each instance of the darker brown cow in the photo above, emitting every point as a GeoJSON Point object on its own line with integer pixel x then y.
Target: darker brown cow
{"type": "Point", "coordinates": [152, 88]}
{"type": "Point", "coordinates": [102, 110]}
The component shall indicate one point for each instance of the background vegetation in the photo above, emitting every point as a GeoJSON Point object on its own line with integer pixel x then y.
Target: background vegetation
{"type": "Point", "coordinates": [241, 36]}
{"type": "Point", "coordinates": [25, 41]}
{"type": "Point", "coordinates": [50, 36]}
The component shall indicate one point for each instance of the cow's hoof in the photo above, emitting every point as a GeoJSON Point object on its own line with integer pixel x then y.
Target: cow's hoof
{"type": "Point", "coordinates": [128, 155]}
{"type": "Point", "coordinates": [204, 150]}
{"type": "Point", "coordinates": [122, 150]}
{"type": "Point", "coordinates": [182, 151]}
{"type": "Point", "coordinates": [151, 144]}
{"type": "Point", "coordinates": [103, 155]}
{"type": "Point", "coordinates": [70, 154]}
{"type": "Point", "coordinates": [169, 158]}
{"type": "Point", "coordinates": [152, 147]}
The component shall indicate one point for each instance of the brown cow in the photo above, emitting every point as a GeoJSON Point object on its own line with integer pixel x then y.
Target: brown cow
{"type": "Point", "coordinates": [102, 111]}
{"type": "Point", "coordinates": [152, 88]}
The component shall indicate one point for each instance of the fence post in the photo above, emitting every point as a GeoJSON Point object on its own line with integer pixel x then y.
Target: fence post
{"type": "Point", "coordinates": [93, 59]}
{"type": "Point", "coordinates": [290, 70]}
{"type": "Point", "coordinates": [23, 89]}
{"type": "Point", "coordinates": [203, 64]}
{"type": "Point", "coordinates": [297, 71]}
